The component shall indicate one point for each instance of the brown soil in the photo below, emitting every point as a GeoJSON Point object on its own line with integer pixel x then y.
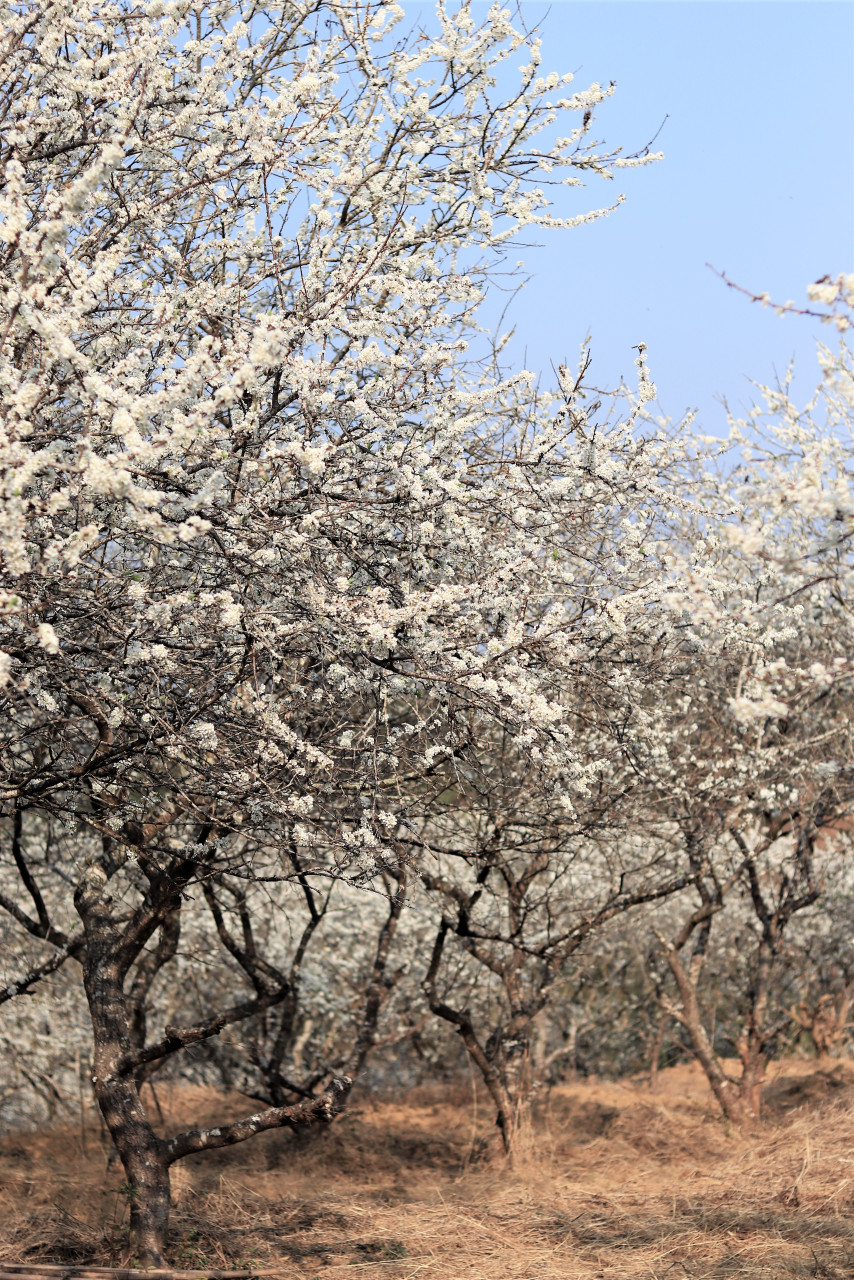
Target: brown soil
{"type": "Point", "coordinates": [612, 1181]}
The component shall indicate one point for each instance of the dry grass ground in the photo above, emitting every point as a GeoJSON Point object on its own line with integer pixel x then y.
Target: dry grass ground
{"type": "Point", "coordinates": [613, 1182]}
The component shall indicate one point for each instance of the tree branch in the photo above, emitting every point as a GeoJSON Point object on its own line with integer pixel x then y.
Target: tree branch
{"type": "Point", "coordinates": [72, 948]}
{"type": "Point", "coordinates": [177, 1038]}
{"type": "Point", "coordinates": [320, 1110]}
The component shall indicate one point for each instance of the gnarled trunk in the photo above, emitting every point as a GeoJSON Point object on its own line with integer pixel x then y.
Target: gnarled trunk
{"type": "Point", "coordinates": [141, 1152]}
{"type": "Point", "coordinates": [143, 1159]}
{"type": "Point", "coordinates": [111, 946]}
{"type": "Point", "coordinates": [138, 1147]}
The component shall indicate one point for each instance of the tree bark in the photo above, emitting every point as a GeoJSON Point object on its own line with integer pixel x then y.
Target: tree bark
{"type": "Point", "coordinates": [752, 1041]}
{"type": "Point", "coordinates": [110, 947]}
{"type": "Point", "coordinates": [117, 1092]}
{"type": "Point", "coordinates": [142, 1156]}
{"type": "Point", "coordinates": [138, 1147]}
{"type": "Point", "coordinates": [380, 983]}
{"type": "Point", "coordinates": [655, 1051]}
{"type": "Point", "coordinates": [724, 1089]}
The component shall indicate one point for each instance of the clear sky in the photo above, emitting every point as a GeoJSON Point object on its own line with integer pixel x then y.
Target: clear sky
{"type": "Point", "coordinates": [758, 179]}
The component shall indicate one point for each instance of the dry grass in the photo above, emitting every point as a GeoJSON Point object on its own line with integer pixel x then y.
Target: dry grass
{"type": "Point", "coordinates": [612, 1182]}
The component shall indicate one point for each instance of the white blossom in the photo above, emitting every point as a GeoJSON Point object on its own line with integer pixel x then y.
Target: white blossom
{"type": "Point", "coordinates": [47, 637]}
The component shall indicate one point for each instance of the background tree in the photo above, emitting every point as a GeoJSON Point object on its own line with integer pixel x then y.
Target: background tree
{"type": "Point", "coordinates": [518, 894]}
{"type": "Point", "coordinates": [747, 760]}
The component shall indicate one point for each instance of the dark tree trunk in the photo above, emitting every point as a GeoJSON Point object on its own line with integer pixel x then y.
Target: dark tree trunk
{"type": "Point", "coordinates": [138, 1147]}
{"type": "Point", "coordinates": [142, 1156]}
{"type": "Point", "coordinates": [140, 1150]}
{"type": "Point", "coordinates": [110, 947]}
{"type": "Point", "coordinates": [753, 1040]}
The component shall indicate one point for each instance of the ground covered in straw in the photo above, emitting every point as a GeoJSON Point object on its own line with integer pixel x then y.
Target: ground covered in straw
{"type": "Point", "coordinates": [613, 1182]}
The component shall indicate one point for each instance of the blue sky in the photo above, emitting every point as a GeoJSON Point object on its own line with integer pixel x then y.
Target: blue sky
{"type": "Point", "coordinates": [758, 179]}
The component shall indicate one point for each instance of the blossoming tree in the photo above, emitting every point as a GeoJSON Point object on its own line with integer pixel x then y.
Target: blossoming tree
{"type": "Point", "coordinates": [748, 754]}
{"type": "Point", "coordinates": [275, 551]}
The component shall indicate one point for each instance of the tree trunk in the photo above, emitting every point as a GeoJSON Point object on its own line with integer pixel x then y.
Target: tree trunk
{"type": "Point", "coordinates": [507, 1067]}
{"type": "Point", "coordinates": [141, 1154]}
{"type": "Point", "coordinates": [147, 1172]}
{"type": "Point", "coordinates": [111, 947]}
{"type": "Point", "coordinates": [655, 1051]}
{"type": "Point", "coordinates": [751, 1052]}
{"type": "Point", "coordinates": [507, 1114]}
{"type": "Point", "coordinates": [461, 1019]}
{"type": "Point", "coordinates": [539, 1043]}
{"type": "Point", "coordinates": [140, 1150]}
{"type": "Point", "coordinates": [753, 1039]}
{"type": "Point", "coordinates": [726, 1092]}
{"type": "Point", "coordinates": [572, 1047]}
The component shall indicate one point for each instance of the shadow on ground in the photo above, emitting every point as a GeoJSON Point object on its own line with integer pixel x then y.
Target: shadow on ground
{"type": "Point", "coordinates": [611, 1181]}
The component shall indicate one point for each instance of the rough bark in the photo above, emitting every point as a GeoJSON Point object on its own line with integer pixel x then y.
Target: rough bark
{"type": "Point", "coordinates": [117, 1093]}
{"type": "Point", "coordinates": [753, 1040]}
